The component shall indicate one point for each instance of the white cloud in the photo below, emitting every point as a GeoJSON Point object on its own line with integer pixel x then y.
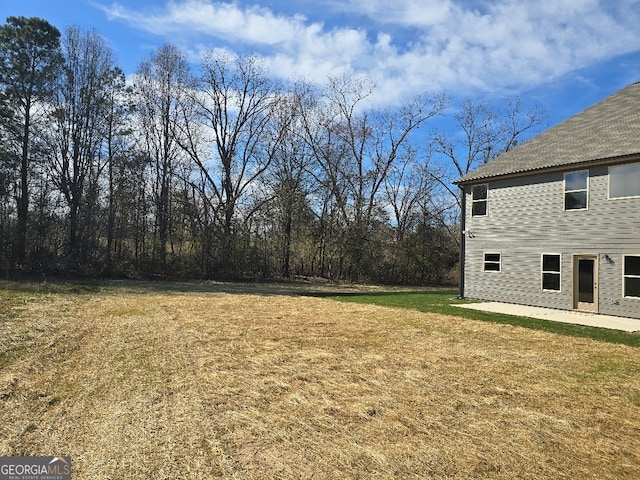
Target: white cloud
{"type": "Point", "coordinates": [409, 46]}
{"type": "Point", "coordinates": [252, 24]}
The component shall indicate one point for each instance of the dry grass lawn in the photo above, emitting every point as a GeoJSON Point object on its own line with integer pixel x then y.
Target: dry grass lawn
{"type": "Point", "coordinates": [204, 383]}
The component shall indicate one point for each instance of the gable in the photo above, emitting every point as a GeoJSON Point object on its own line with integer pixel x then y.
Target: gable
{"type": "Point", "coordinates": [610, 129]}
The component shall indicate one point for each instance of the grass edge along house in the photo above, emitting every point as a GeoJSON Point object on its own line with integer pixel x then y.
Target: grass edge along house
{"type": "Point", "coordinates": [555, 222]}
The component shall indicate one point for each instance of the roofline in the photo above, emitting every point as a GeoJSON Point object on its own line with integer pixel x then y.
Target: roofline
{"type": "Point", "coordinates": [556, 168]}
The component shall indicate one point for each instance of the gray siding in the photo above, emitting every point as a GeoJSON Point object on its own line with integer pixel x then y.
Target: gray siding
{"type": "Point", "coordinates": [526, 218]}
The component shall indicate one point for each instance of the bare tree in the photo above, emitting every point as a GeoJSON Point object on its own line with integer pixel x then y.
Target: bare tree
{"type": "Point", "coordinates": [367, 143]}
{"type": "Point", "coordinates": [162, 85]}
{"type": "Point", "coordinates": [234, 105]}
{"type": "Point", "coordinates": [288, 177]}
{"type": "Point", "coordinates": [79, 118]}
{"type": "Point", "coordinates": [481, 132]}
{"type": "Point", "coordinates": [408, 186]}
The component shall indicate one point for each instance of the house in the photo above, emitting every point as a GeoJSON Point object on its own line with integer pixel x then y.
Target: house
{"type": "Point", "coordinates": [555, 222]}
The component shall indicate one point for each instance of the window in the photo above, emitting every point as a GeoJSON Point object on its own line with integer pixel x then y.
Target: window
{"type": "Point", "coordinates": [551, 272]}
{"type": "Point", "coordinates": [575, 190]}
{"type": "Point", "coordinates": [632, 276]}
{"type": "Point", "coordinates": [624, 181]}
{"type": "Point", "coordinates": [491, 262]}
{"type": "Point", "coordinates": [479, 200]}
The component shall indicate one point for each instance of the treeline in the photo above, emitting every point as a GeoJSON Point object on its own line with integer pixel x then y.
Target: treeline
{"type": "Point", "coordinates": [215, 172]}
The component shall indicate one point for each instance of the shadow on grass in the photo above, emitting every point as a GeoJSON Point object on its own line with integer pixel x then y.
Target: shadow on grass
{"type": "Point", "coordinates": [437, 301]}
{"type": "Point", "coordinates": [290, 287]}
{"type": "Point", "coordinates": [443, 302]}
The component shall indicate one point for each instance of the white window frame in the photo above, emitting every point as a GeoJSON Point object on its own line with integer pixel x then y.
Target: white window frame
{"type": "Point", "coordinates": [543, 271]}
{"type": "Point", "coordinates": [565, 191]}
{"type": "Point", "coordinates": [485, 200]}
{"type": "Point", "coordinates": [491, 262]}
{"type": "Point", "coordinates": [624, 276]}
{"type": "Point", "coordinates": [609, 183]}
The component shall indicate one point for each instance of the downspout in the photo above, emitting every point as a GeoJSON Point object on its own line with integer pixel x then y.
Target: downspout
{"type": "Point", "coordinates": [463, 236]}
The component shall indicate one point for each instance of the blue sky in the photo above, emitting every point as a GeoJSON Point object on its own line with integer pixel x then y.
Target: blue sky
{"type": "Point", "coordinates": [565, 54]}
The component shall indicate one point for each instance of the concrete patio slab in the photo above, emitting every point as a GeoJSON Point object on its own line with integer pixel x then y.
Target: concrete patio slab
{"type": "Point", "coordinates": [567, 316]}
